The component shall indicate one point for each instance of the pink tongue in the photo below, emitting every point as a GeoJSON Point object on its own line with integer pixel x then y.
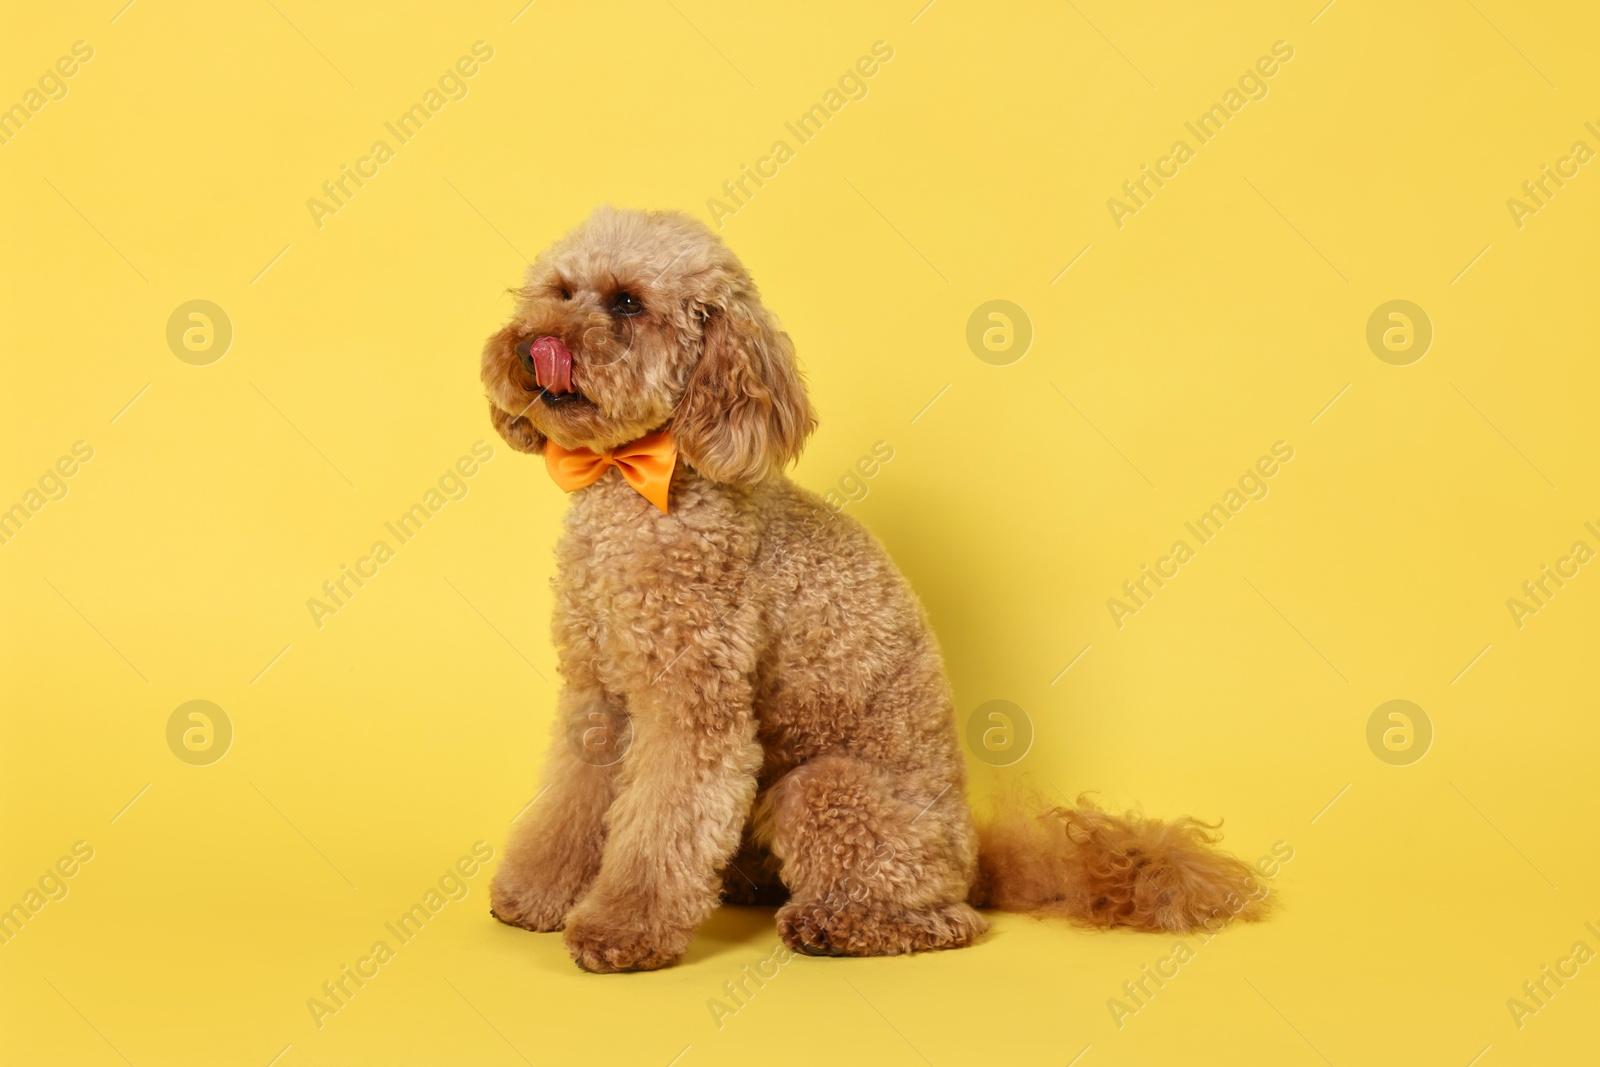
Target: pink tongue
{"type": "Point", "coordinates": [552, 365]}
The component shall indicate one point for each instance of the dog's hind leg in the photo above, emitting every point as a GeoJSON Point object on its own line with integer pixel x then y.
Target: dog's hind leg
{"type": "Point", "coordinates": [877, 860]}
{"type": "Point", "coordinates": [555, 846]}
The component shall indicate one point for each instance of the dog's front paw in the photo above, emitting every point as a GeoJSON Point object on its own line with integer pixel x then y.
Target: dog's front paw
{"type": "Point", "coordinates": [605, 943]}
{"type": "Point", "coordinates": [536, 908]}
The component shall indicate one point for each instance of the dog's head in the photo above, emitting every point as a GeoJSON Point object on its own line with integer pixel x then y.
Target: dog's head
{"type": "Point", "coordinates": [638, 321]}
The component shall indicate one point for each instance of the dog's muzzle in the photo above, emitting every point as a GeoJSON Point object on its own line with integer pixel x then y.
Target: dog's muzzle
{"type": "Point", "coordinates": [548, 360]}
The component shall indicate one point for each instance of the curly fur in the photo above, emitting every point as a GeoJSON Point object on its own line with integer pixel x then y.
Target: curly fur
{"type": "Point", "coordinates": [1105, 870]}
{"type": "Point", "coordinates": [793, 734]}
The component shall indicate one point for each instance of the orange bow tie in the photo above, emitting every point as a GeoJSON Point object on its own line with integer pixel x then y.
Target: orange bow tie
{"type": "Point", "coordinates": [646, 464]}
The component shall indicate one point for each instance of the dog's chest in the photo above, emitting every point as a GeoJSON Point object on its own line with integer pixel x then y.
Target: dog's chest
{"type": "Point", "coordinates": [632, 583]}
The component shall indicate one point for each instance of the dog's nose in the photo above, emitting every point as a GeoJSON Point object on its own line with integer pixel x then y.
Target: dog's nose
{"type": "Point", "coordinates": [548, 360]}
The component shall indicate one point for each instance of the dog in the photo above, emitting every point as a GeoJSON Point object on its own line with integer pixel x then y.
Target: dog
{"type": "Point", "coordinates": [754, 708]}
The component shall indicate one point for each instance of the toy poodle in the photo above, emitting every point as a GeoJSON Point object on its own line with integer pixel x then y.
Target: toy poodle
{"type": "Point", "coordinates": [754, 708]}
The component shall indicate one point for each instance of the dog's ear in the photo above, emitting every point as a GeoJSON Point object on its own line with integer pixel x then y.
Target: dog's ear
{"type": "Point", "coordinates": [499, 370]}
{"type": "Point", "coordinates": [745, 410]}
{"type": "Point", "coordinates": [517, 430]}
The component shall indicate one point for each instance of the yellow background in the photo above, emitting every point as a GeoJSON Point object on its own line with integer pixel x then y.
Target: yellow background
{"type": "Point", "coordinates": [1223, 317]}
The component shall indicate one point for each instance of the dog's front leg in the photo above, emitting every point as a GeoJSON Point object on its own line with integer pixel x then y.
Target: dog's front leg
{"type": "Point", "coordinates": [554, 851]}
{"type": "Point", "coordinates": [686, 787]}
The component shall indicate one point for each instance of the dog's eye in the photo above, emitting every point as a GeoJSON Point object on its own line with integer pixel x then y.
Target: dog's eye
{"type": "Point", "coordinates": [566, 294]}
{"type": "Point", "coordinates": [626, 303]}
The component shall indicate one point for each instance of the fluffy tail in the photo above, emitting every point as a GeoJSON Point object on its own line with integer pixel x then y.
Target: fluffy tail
{"type": "Point", "coordinates": [1105, 870]}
